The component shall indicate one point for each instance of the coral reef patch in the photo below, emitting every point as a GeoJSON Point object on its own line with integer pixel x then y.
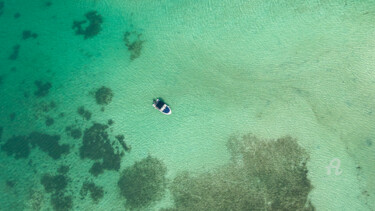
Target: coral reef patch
{"type": "Point", "coordinates": [96, 192]}
{"type": "Point", "coordinates": [103, 95]}
{"type": "Point", "coordinates": [16, 15]}
{"type": "Point", "coordinates": [143, 183]}
{"type": "Point", "coordinates": [17, 146]}
{"type": "Point", "coordinates": [84, 113]}
{"type": "Point", "coordinates": [26, 34]}
{"type": "Point", "coordinates": [42, 88]}
{"type": "Point", "coordinates": [134, 43]}
{"type": "Point", "coordinates": [20, 146]}
{"type": "Point", "coordinates": [1, 132]}
{"type": "Point", "coordinates": [1, 7]}
{"type": "Point", "coordinates": [56, 185]}
{"type": "Point", "coordinates": [120, 139]}
{"type": "Point", "coordinates": [49, 121]}
{"type": "Point", "coordinates": [73, 132]}
{"type": "Point", "coordinates": [263, 175]}
{"type": "Point", "coordinates": [48, 144]}
{"type": "Point", "coordinates": [15, 52]}
{"type": "Point", "coordinates": [97, 146]}
{"type": "Point", "coordinates": [94, 21]}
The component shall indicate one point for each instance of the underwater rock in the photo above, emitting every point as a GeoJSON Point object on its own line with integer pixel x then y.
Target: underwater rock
{"type": "Point", "coordinates": [14, 54]}
{"type": "Point", "coordinates": [84, 113]}
{"type": "Point", "coordinates": [94, 27]}
{"type": "Point", "coordinates": [96, 192]}
{"type": "Point", "coordinates": [49, 144]}
{"type": "Point", "coordinates": [134, 44]}
{"type": "Point", "coordinates": [263, 175]}
{"type": "Point", "coordinates": [97, 146]}
{"type": "Point", "coordinates": [26, 34]}
{"type": "Point", "coordinates": [17, 146]}
{"type": "Point", "coordinates": [103, 95]}
{"type": "Point", "coordinates": [42, 88]}
{"type": "Point", "coordinates": [143, 183]}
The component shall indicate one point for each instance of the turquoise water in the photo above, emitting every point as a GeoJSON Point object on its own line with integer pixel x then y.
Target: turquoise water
{"type": "Point", "coordinates": [227, 68]}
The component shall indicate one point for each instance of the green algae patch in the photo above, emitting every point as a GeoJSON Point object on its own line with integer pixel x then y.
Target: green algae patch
{"type": "Point", "coordinates": [263, 175]}
{"type": "Point", "coordinates": [48, 144]}
{"type": "Point", "coordinates": [97, 146]}
{"type": "Point", "coordinates": [94, 21]}
{"type": "Point", "coordinates": [17, 146]}
{"type": "Point", "coordinates": [96, 192]}
{"type": "Point", "coordinates": [103, 95]}
{"type": "Point", "coordinates": [143, 183]}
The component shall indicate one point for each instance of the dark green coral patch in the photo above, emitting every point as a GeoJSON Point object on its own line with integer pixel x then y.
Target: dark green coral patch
{"type": "Point", "coordinates": [143, 183]}
{"type": "Point", "coordinates": [63, 169]}
{"type": "Point", "coordinates": [49, 121]}
{"type": "Point", "coordinates": [96, 192]}
{"type": "Point", "coordinates": [54, 183]}
{"type": "Point", "coordinates": [1, 132]}
{"type": "Point", "coordinates": [84, 113]}
{"type": "Point", "coordinates": [10, 183]}
{"type": "Point", "coordinates": [134, 43]}
{"type": "Point", "coordinates": [93, 28]}
{"type": "Point", "coordinates": [73, 132]}
{"type": "Point", "coordinates": [26, 34]}
{"type": "Point", "coordinates": [60, 202]}
{"type": "Point", "coordinates": [263, 175]}
{"type": "Point", "coordinates": [42, 88]}
{"type": "Point", "coordinates": [1, 7]}
{"type": "Point", "coordinates": [121, 140]}
{"type": "Point", "coordinates": [103, 95]}
{"type": "Point", "coordinates": [15, 52]}
{"type": "Point", "coordinates": [17, 146]}
{"type": "Point", "coordinates": [49, 144]}
{"type": "Point", "coordinates": [97, 146]}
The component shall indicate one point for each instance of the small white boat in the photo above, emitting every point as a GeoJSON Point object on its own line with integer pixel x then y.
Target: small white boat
{"type": "Point", "coordinates": [162, 107]}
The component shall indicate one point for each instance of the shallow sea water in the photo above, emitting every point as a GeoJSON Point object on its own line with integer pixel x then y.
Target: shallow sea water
{"type": "Point", "coordinates": [269, 68]}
